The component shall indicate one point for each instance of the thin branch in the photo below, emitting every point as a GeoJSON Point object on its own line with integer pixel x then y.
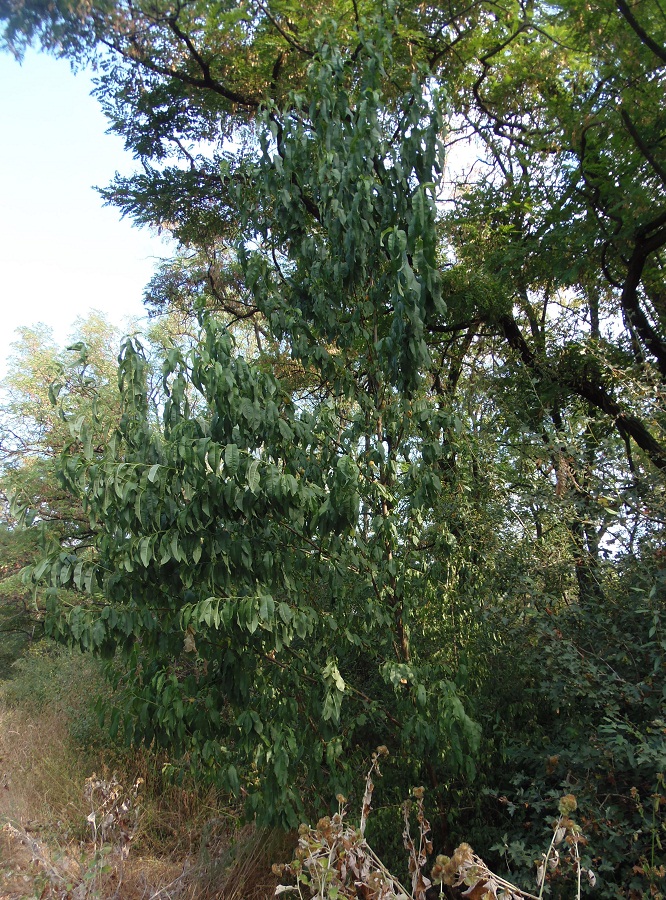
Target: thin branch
{"type": "Point", "coordinates": [596, 394]}
{"type": "Point", "coordinates": [642, 146]}
{"type": "Point", "coordinates": [205, 83]}
{"type": "Point", "coordinates": [290, 40]}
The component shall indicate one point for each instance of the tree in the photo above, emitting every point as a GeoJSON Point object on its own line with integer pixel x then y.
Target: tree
{"type": "Point", "coordinates": [32, 435]}
{"type": "Point", "coordinates": [175, 74]}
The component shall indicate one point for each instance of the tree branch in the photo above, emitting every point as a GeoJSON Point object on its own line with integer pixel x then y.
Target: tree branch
{"type": "Point", "coordinates": [645, 38]}
{"type": "Point", "coordinates": [205, 83]}
{"type": "Point", "coordinates": [642, 146]}
{"type": "Point", "coordinates": [636, 318]}
{"type": "Point", "coordinates": [596, 394]}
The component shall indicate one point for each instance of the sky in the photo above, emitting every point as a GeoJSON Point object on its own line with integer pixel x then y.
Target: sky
{"type": "Point", "coordinates": [62, 253]}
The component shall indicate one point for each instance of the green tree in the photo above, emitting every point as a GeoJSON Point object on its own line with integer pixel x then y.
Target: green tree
{"type": "Point", "coordinates": [562, 103]}
{"type": "Point", "coordinates": [33, 434]}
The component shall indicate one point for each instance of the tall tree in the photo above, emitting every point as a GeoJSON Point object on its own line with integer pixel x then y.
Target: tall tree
{"type": "Point", "coordinates": [564, 104]}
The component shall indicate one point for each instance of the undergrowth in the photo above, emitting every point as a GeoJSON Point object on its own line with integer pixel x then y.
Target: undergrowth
{"type": "Point", "coordinates": [83, 817]}
{"type": "Point", "coordinates": [334, 861]}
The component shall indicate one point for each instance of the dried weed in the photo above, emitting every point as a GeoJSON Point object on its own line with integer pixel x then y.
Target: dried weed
{"type": "Point", "coordinates": [123, 834]}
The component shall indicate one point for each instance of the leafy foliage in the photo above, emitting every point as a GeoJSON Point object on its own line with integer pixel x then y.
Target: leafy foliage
{"type": "Point", "coordinates": [276, 617]}
{"type": "Point", "coordinates": [423, 506]}
{"type": "Point", "coordinates": [32, 435]}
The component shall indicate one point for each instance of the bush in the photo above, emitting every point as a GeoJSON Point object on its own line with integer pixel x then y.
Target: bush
{"type": "Point", "coordinates": [572, 702]}
{"type": "Point", "coordinates": [66, 682]}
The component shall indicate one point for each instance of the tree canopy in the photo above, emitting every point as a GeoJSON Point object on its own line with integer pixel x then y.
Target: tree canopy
{"type": "Point", "coordinates": [404, 486]}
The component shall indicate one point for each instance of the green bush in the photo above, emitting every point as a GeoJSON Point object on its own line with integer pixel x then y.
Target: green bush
{"type": "Point", "coordinates": [66, 682]}
{"type": "Point", "coordinates": [573, 703]}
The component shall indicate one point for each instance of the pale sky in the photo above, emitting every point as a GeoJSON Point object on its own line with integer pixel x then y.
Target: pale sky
{"type": "Point", "coordinates": [62, 253]}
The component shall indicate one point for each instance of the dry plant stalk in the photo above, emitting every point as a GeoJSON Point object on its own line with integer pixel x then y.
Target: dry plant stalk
{"type": "Point", "coordinates": [565, 831]}
{"type": "Point", "coordinates": [466, 869]}
{"type": "Point", "coordinates": [114, 811]}
{"type": "Point", "coordinates": [417, 856]}
{"type": "Point", "coordinates": [333, 861]}
{"type": "Point", "coordinates": [58, 873]}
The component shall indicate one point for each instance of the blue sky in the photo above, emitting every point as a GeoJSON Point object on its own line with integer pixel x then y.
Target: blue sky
{"type": "Point", "coordinates": [61, 252]}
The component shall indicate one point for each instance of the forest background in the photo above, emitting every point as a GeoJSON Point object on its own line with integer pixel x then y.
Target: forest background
{"type": "Point", "coordinates": [389, 467]}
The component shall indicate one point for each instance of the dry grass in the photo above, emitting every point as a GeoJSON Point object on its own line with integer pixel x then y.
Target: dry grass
{"type": "Point", "coordinates": [42, 783]}
{"type": "Point", "coordinates": [184, 844]}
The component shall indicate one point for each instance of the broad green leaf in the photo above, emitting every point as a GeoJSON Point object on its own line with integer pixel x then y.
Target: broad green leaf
{"type": "Point", "coordinates": [253, 477]}
{"type": "Point", "coordinates": [231, 458]}
{"type": "Point", "coordinates": [145, 550]}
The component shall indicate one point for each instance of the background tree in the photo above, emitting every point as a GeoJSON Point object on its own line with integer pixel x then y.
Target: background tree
{"type": "Point", "coordinates": [33, 433]}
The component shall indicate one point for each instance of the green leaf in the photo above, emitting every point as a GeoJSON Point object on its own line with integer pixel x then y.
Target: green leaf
{"type": "Point", "coordinates": [145, 551]}
{"type": "Point", "coordinates": [98, 633]}
{"type": "Point", "coordinates": [301, 625]}
{"type": "Point", "coordinates": [253, 477]}
{"type": "Point", "coordinates": [266, 608]}
{"type": "Point", "coordinates": [231, 458]}
{"type": "Point", "coordinates": [285, 430]}
{"type": "Point", "coordinates": [233, 780]}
